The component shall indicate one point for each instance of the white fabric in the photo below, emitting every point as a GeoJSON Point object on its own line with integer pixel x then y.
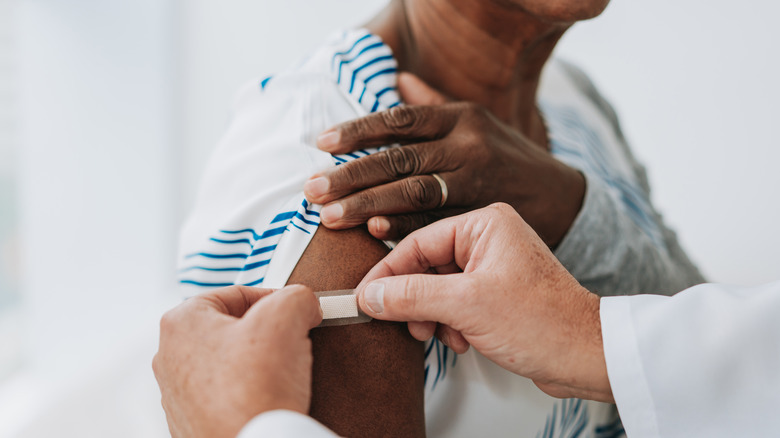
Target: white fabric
{"type": "Point", "coordinates": [284, 424]}
{"type": "Point", "coordinates": [705, 362]}
{"type": "Point", "coordinates": [342, 306]}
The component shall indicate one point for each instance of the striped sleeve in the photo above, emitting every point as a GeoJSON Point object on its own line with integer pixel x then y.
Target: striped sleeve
{"type": "Point", "coordinates": [252, 223]}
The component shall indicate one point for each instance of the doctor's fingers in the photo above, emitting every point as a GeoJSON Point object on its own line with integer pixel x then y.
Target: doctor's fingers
{"type": "Point", "coordinates": [449, 244]}
{"type": "Point", "coordinates": [382, 167]}
{"type": "Point", "coordinates": [420, 297]}
{"type": "Point", "coordinates": [425, 330]}
{"type": "Point", "coordinates": [292, 309]}
{"type": "Point", "coordinates": [201, 312]}
{"type": "Point", "coordinates": [231, 300]}
{"type": "Point", "coordinates": [452, 338]}
{"type": "Point", "coordinates": [430, 247]}
{"type": "Point", "coordinates": [401, 124]}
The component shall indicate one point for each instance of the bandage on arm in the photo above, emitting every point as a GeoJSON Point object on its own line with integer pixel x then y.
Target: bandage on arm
{"type": "Point", "coordinates": [367, 378]}
{"type": "Point", "coordinates": [340, 307]}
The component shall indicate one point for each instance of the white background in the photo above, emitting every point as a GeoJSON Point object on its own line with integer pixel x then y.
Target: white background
{"type": "Point", "coordinates": [121, 102]}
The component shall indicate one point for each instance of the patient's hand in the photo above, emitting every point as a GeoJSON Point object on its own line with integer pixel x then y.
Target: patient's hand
{"type": "Point", "coordinates": [481, 160]}
{"type": "Point", "coordinates": [232, 354]}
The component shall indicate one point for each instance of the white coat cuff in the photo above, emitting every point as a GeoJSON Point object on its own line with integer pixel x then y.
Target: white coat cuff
{"type": "Point", "coordinates": [625, 370]}
{"type": "Point", "coordinates": [284, 424]}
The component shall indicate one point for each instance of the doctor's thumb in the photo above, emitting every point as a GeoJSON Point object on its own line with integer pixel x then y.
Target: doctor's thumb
{"type": "Point", "coordinates": [420, 297]}
{"type": "Point", "coordinates": [294, 307]}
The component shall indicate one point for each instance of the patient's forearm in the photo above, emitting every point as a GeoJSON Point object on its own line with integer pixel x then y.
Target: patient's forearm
{"type": "Point", "coordinates": [367, 378]}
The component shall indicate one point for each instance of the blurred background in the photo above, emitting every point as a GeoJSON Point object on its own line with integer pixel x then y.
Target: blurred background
{"type": "Point", "coordinates": [109, 110]}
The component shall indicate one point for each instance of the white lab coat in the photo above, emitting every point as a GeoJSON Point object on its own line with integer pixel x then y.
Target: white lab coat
{"type": "Point", "coordinates": [705, 362]}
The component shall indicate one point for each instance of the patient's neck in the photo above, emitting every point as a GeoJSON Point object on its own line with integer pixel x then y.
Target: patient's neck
{"type": "Point", "coordinates": [474, 50]}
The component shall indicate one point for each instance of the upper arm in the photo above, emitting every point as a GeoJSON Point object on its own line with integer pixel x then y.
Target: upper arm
{"type": "Point", "coordinates": [367, 378]}
{"type": "Point", "coordinates": [251, 225]}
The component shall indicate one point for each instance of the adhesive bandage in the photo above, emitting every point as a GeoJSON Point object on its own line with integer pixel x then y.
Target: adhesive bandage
{"type": "Point", "coordinates": [340, 307]}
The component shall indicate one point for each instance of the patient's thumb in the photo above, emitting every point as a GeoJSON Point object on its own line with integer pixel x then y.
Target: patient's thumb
{"type": "Point", "coordinates": [414, 91]}
{"type": "Point", "coordinates": [421, 297]}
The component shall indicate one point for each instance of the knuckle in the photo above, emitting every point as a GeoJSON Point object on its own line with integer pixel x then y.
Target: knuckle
{"type": "Point", "coordinates": [298, 289]}
{"type": "Point", "coordinates": [401, 161]}
{"type": "Point", "coordinates": [156, 365]}
{"type": "Point", "coordinates": [349, 176]}
{"type": "Point", "coordinates": [399, 119]}
{"type": "Point", "coordinates": [407, 299]}
{"type": "Point", "coordinates": [502, 209]}
{"type": "Point", "coordinates": [354, 130]}
{"type": "Point", "coordinates": [364, 203]}
{"type": "Point", "coordinates": [419, 193]}
{"type": "Point", "coordinates": [300, 296]}
{"type": "Point", "coordinates": [168, 321]}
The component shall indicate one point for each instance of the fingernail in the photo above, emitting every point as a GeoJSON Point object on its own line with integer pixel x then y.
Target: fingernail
{"type": "Point", "coordinates": [316, 187]}
{"type": "Point", "coordinates": [381, 225]}
{"type": "Point", "coordinates": [328, 140]}
{"type": "Point", "coordinates": [374, 295]}
{"type": "Point", "coordinates": [332, 212]}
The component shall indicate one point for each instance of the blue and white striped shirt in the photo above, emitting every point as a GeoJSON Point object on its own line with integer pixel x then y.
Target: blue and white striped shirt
{"type": "Point", "coordinates": [251, 223]}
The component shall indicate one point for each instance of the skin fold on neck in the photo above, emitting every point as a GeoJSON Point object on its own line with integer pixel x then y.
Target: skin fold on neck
{"type": "Point", "coordinates": [483, 51]}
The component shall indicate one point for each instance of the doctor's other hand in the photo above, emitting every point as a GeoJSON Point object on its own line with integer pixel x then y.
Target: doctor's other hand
{"type": "Point", "coordinates": [485, 279]}
{"type": "Point", "coordinates": [476, 156]}
{"type": "Point", "coordinates": [229, 355]}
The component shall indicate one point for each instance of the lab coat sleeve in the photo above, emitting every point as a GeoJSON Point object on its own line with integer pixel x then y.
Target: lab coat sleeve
{"type": "Point", "coordinates": [284, 424]}
{"type": "Point", "coordinates": [705, 362]}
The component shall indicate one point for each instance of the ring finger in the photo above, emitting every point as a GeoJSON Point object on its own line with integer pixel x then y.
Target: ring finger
{"type": "Point", "coordinates": [413, 194]}
{"type": "Point", "coordinates": [383, 167]}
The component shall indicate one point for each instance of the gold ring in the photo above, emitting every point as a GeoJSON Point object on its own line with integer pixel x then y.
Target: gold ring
{"type": "Point", "coordinates": [444, 191]}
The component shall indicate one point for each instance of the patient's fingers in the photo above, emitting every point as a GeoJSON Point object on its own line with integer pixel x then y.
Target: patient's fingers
{"type": "Point", "coordinates": [402, 124]}
{"type": "Point", "coordinates": [417, 193]}
{"type": "Point", "coordinates": [382, 167]}
{"type": "Point", "coordinates": [399, 226]}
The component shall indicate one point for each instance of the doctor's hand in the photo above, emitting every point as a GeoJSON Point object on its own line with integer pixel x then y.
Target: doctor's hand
{"type": "Point", "coordinates": [485, 279]}
{"type": "Point", "coordinates": [232, 354]}
{"type": "Point", "coordinates": [480, 160]}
